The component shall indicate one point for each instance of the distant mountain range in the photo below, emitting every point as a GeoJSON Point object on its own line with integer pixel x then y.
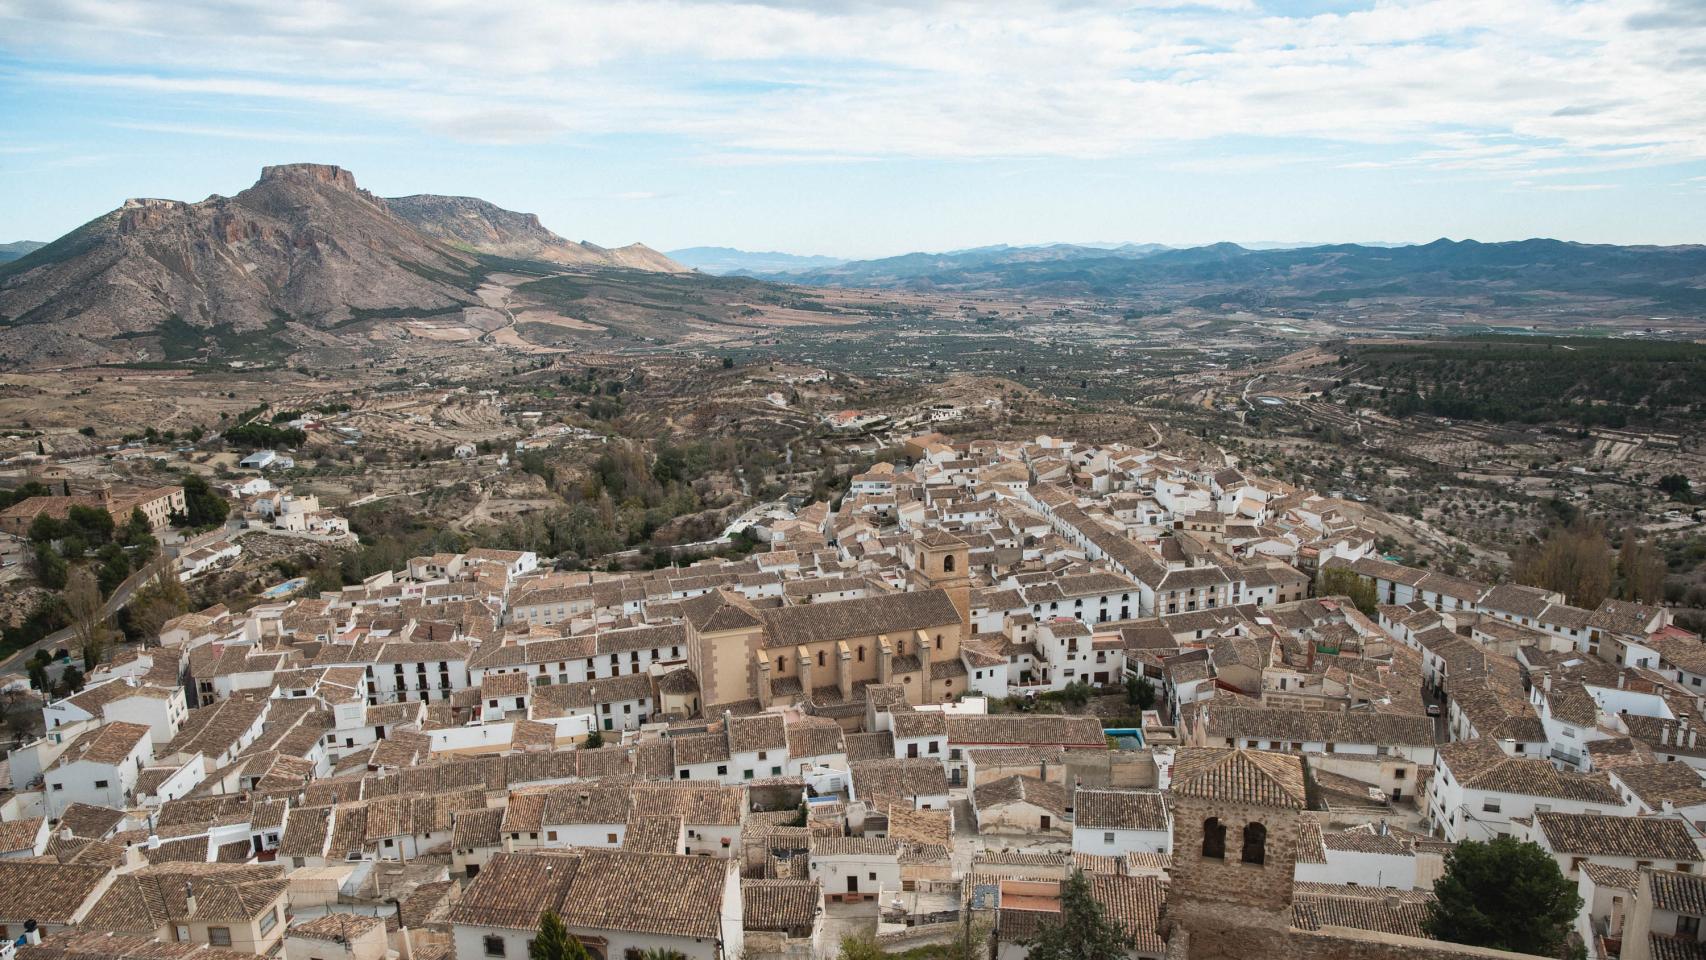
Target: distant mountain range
{"type": "Point", "coordinates": [728, 260]}
{"type": "Point", "coordinates": [17, 248]}
{"type": "Point", "coordinates": [1665, 278]}
{"type": "Point", "coordinates": [304, 246]}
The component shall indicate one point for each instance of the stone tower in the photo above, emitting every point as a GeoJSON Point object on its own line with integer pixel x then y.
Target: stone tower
{"type": "Point", "coordinates": [941, 561]}
{"type": "Point", "coordinates": [1237, 818]}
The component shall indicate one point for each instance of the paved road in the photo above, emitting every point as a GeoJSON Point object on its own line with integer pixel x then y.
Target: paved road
{"type": "Point", "coordinates": [60, 638]}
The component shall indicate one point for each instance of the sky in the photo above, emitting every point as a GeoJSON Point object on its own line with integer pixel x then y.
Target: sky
{"type": "Point", "coordinates": [862, 128]}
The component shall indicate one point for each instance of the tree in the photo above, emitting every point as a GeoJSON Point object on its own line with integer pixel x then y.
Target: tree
{"type": "Point", "coordinates": [594, 740]}
{"type": "Point", "coordinates": [202, 506]}
{"type": "Point", "coordinates": [1140, 693]}
{"type": "Point", "coordinates": [159, 598]}
{"type": "Point", "coordinates": [37, 668]}
{"type": "Point", "coordinates": [88, 616]}
{"type": "Point", "coordinates": [48, 566]}
{"type": "Point", "coordinates": [1641, 570]}
{"type": "Point", "coordinates": [1505, 894]}
{"type": "Point", "coordinates": [1345, 582]}
{"type": "Point", "coordinates": [1575, 561]}
{"type": "Point", "coordinates": [554, 941]}
{"type": "Point", "coordinates": [1083, 931]}
{"type": "Point", "coordinates": [70, 680]}
{"type": "Point", "coordinates": [1675, 485]}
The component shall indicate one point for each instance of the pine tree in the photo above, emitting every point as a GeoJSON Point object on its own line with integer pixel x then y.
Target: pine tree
{"type": "Point", "coordinates": [1506, 895]}
{"type": "Point", "coordinates": [554, 941]}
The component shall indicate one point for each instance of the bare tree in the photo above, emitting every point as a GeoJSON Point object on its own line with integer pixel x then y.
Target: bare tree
{"type": "Point", "coordinates": [88, 614]}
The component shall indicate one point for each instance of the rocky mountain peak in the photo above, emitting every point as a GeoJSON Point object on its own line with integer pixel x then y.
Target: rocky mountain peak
{"type": "Point", "coordinates": [325, 173]}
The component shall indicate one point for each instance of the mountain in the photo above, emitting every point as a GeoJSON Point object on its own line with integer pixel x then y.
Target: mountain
{"type": "Point", "coordinates": [727, 260]}
{"type": "Point", "coordinates": [304, 245]}
{"type": "Point", "coordinates": [281, 265]}
{"type": "Point", "coordinates": [474, 224]}
{"type": "Point", "coordinates": [978, 264]}
{"type": "Point", "coordinates": [14, 250]}
{"type": "Point", "coordinates": [1668, 278]}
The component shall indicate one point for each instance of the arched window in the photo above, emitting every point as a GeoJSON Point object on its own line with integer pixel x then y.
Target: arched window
{"type": "Point", "coordinates": [820, 658]}
{"type": "Point", "coordinates": [1213, 839]}
{"type": "Point", "coordinates": [948, 563]}
{"type": "Point", "coordinates": [1255, 843]}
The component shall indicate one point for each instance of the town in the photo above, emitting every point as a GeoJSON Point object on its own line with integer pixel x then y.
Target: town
{"type": "Point", "coordinates": [994, 686]}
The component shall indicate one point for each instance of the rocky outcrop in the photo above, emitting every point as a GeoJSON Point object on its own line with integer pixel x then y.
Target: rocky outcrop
{"type": "Point", "coordinates": [474, 224]}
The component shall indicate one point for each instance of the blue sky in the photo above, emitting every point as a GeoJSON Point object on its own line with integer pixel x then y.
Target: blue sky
{"type": "Point", "coordinates": [866, 127]}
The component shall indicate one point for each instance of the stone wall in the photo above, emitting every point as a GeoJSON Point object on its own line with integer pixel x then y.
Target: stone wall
{"type": "Point", "coordinates": [1229, 880]}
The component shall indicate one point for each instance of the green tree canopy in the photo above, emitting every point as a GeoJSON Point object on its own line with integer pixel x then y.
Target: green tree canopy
{"type": "Point", "coordinates": [1343, 582]}
{"type": "Point", "coordinates": [202, 506]}
{"type": "Point", "coordinates": [1505, 894]}
{"type": "Point", "coordinates": [554, 941]}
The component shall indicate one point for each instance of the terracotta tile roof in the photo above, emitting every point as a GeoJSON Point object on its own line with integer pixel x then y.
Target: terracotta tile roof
{"type": "Point", "coordinates": [653, 835]}
{"type": "Point", "coordinates": [18, 835]}
{"type": "Point", "coordinates": [336, 927]}
{"type": "Point", "coordinates": [305, 832]}
{"type": "Point", "coordinates": [780, 905]}
{"type": "Point", "coordinates": [155, 896]}
{"type": "Point", "coordinates": [46, 892]}
{"type": "Point", "coordinates": [478, 828]}
{"type": "Point", "coordinates": [1647, 838]}
{"type": "Point", "coordinates": [1120, 810]}
{"type": "Point", "coordinates": [514, 889]}
{"type": "Point", "coordinates": [1361, 908]}
{"type": "Point", "coordinates": [653, 893]}
{"type": "Point", "coordinates": [882, 781]}
{"type": "Point", "coordinates": [767, 731]}
{"type": "Point", "coordinates": [1480, 765]}
{"type": "Point", "coordinates": [1659, 783]}
{"type": "Point", "coordinates": [1135, 903]}
{"type": "Point", "coordinates": [811, 737]}
{"type": "Point", "coordinates": [1679, 892]}
{"type": "Point", "coordinates": [697, 804]}
{"type": "Point", "coordinates": [1246, 776]}
{"type": "Point", "coordinates": [109, 744]}
{"type": "Point", "coordinates": [1020, 789]}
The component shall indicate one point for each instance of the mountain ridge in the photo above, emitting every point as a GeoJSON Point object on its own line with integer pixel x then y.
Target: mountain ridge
{"type": "Point", "coordinates": [302, 251]}
{"type": "Point", "coordinates": [1667, 277]}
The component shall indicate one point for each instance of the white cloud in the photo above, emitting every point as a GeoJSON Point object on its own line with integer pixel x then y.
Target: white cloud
{"type": "Point", "coordinates": [1526, 87]}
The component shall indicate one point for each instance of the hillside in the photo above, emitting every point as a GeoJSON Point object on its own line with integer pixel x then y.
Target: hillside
{"type": "Point", "coordinates": [18, 248]}
{"type": "Point", "coordinates": [473, 224]}
{"type": "Point", "coordinates": [303, 246]}
{"type": "Point", "coordinates": [1664, 278]}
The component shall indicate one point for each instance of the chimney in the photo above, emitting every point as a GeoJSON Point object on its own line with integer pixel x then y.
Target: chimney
{"type": "Point", "coordinates": [1546, 682]}
{"type": "Point", "coordinates": [189, 898]}
{"type": "Point", "coordinates": [1664, 735]}
{"type": "Point", "coordinates": [1393, 902]}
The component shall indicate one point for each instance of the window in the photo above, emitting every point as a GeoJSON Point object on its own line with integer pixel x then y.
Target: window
{"type": "Point", "coordinates": [1490, 805]}
{"type": "Point", "coordinates": [551, 835]}
{"type": "Point", "coordinates": [100, 784]}
{"type": "Point", "coordinates": [494, 946]}
{"type": "Point", "coordinates": [722, 770]}
{"type": "Point", "coordinates": [269, 920]}
{"type": "Point", "coordinates": [1213, 839]}
{"type": "Point", "coordinates": [1688, 927]}
{"type": "Point", "coordinates": [1107, 838]}
{"type": "Point", "coordinates": [1255, 844]}
{"type": "Point", "coordinates": [219, 936]}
